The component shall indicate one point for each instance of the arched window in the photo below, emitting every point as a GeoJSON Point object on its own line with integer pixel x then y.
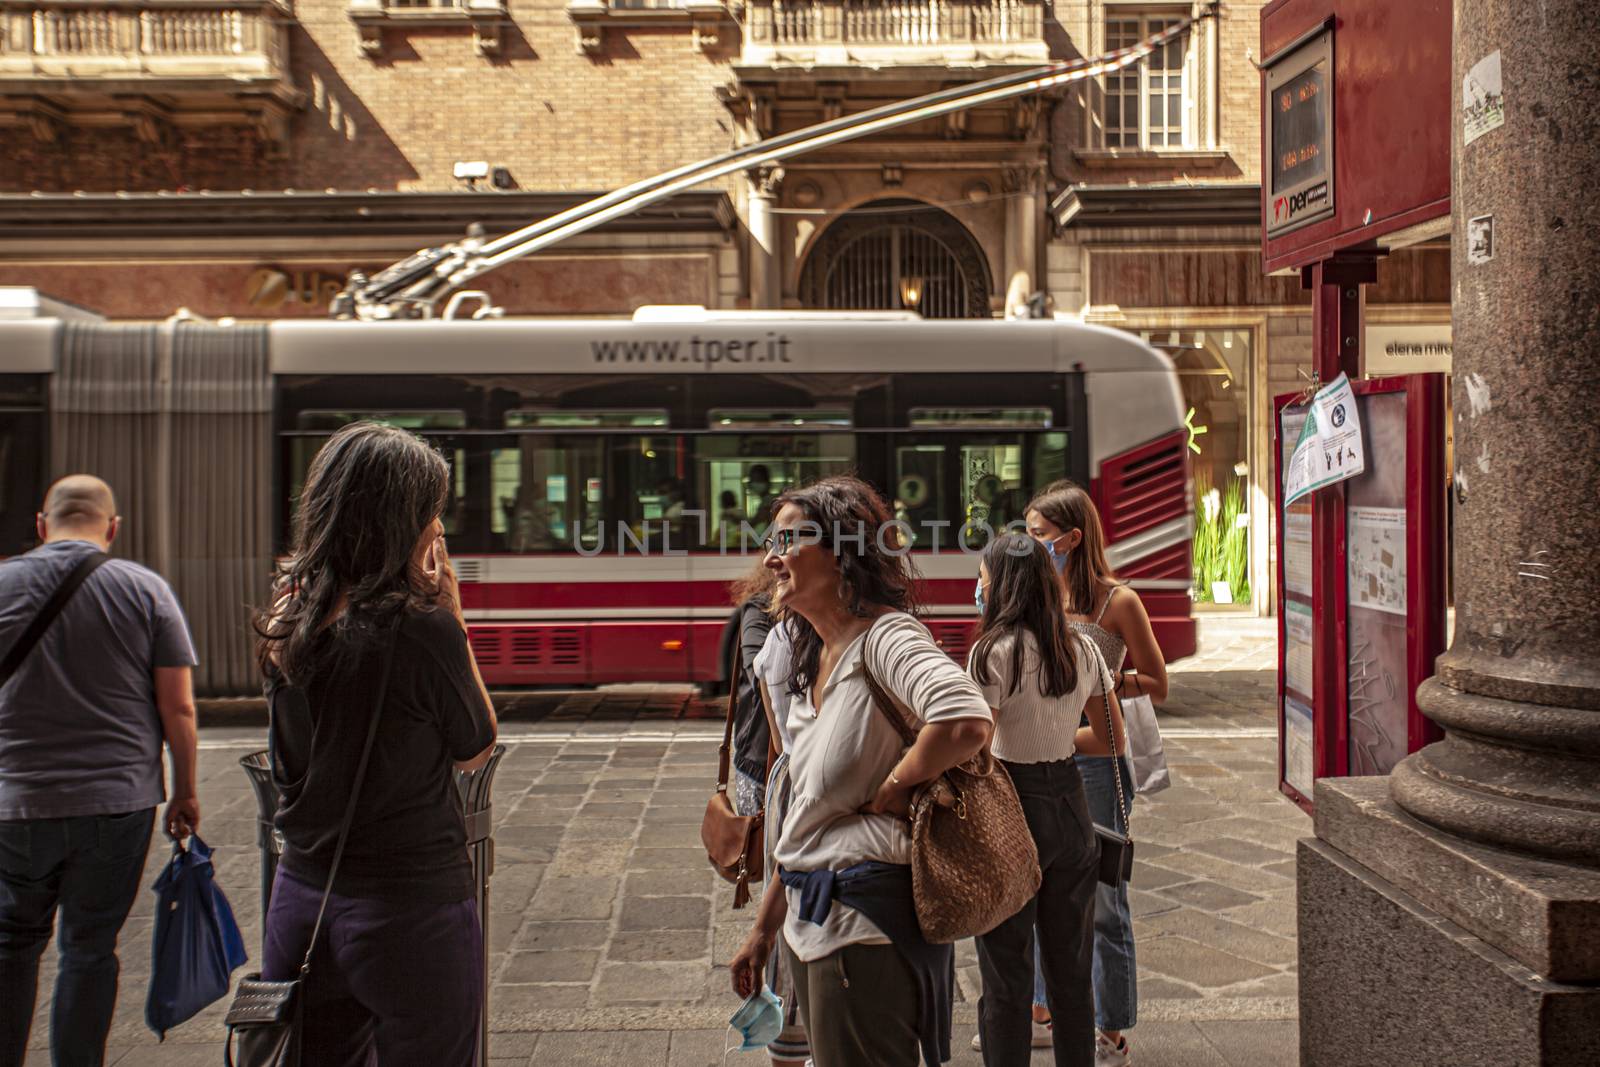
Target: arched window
{"type": "Point", "coordinates": [893, 254]}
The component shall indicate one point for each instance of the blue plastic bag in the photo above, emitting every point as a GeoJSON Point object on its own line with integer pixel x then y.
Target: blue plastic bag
{"type": "Point", "coordinates": [197, 944]}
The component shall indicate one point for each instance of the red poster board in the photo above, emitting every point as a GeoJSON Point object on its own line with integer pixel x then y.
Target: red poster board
{"type": "Point", "coordinates": [1361, 584]}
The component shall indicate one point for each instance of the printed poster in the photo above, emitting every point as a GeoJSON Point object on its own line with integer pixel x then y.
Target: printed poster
{"type": "Point", "coordinates": [1297, 550]}
{"type": "Point", "coordinates": [1298, 767]}
{"type": "Point", "coordinates": [1329, 449]}
{"type": "Point", "coordinates": [1298, 656]}
{"type": "Point", "coordinates": [1376, 550]}
{"type": "Point", "coordinates": [1483, 101]}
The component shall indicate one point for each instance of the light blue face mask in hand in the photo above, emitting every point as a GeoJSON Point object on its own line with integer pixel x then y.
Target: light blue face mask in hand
{"type": "Point", "coordinates": [759, 1021]}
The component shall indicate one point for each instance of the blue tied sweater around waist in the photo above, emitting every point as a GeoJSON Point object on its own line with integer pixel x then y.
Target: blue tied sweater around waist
{"type": "Point", "coordinates": [882, 892]}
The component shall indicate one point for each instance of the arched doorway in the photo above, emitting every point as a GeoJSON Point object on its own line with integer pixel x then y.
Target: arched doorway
{"type": "Point", "coordinates": [892, 254]}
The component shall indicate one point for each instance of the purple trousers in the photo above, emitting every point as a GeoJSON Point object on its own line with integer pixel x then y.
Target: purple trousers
{"type": "Point", "coordinates": [392, 983]}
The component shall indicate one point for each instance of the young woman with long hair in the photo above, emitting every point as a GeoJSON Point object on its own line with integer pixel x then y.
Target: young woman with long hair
{"type": "Point", "coordinates": [1064, 519]}
{"type": "Point", "coordinates": [872, 991]}
{"type": "Point", "coordinates": [1040, 677]}
{"type": "Point", "coordinates": [368, 583]}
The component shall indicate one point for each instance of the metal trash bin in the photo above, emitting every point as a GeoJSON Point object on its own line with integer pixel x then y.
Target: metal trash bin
{"type": "Point", "coordinates": [475, 790]}
{"type": "Point", "coordinates": [258, 768]}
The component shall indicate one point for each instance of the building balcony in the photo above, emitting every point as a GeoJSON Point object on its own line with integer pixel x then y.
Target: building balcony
{"type": "Point", "coordinates": [893, 33]}
{"type": "Point", "coordinates": [146, 64]}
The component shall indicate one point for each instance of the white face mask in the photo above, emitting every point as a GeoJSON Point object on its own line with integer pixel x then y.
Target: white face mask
{"type": "Point", "coordinates": [758, 1021]}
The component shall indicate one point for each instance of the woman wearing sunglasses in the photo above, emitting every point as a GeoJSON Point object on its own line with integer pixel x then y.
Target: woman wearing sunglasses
{"type": "Point", "coordinates": [872, 992]}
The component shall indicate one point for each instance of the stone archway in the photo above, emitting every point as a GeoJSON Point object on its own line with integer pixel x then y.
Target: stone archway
{"type": "Point", "coordinates": [860, 262]}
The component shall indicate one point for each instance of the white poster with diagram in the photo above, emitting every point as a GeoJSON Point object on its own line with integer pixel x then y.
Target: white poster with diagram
{"type": "Point", "coordinates": [1298, 746]}
{"type": "Point", "coordinates": [1297, 550]}
{"type": "Point", "coordinates": [1298, 656]}
{"type": "Point", "coordinates": [1376, 542]}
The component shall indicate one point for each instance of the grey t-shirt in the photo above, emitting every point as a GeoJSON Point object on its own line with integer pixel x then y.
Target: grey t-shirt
{"type": "Point", "coordinates": [79, 729]}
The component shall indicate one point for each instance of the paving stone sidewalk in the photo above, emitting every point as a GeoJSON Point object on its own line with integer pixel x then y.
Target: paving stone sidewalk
{"type": "Point", "coordinates": [608, 933]}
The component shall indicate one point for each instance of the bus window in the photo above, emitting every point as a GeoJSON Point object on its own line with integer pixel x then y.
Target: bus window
{"type": "Point", "coordinates": [919, 493]}
{"type": "Point", "coordinates": [558, 419]}
{"type": "Point", "coordinates": [767, 419]}
{"type": "Point", "coordinates": [1051, 460]}
{"type": "Point", "coordinates": [653, 492]}
{"type": "Point", "coordinates": [303, 448]}
{"type": "Point", "coordinates": [315, 419]}
{"type": "Point", "coordinates": [738, 476]}
{"type": "Point", "coordinates": [547, 494]}
{"type": "Point", "coordinates": [949, 486]}
{"type": "Point", "coordinates": [970, 418]}
{"type": "Point", "coordinates": [992, 490]}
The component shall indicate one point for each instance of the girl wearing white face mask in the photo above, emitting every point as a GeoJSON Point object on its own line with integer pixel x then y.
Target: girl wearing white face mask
{"type": "Point", "coordinates": [1064, 519]}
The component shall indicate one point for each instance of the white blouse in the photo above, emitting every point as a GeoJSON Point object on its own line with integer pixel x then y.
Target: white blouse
{"type": "Point", "coordinates": [841, 756]}
{"type": "Point", "coordinates": [772, 667]}
{"type": "Point", "coordinates": [1031, 727]}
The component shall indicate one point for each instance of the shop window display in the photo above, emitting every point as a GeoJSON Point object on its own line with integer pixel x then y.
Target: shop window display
{"type": "Point", "coordinates": [1214, 373]}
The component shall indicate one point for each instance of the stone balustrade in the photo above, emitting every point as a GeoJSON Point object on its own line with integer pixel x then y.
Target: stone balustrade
{"type": "Point", "coordinates": [145, 43]}
{"type": "Point", "coordinates": [893, 31]}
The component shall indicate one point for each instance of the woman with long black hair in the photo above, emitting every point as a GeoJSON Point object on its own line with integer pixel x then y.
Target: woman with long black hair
{"type": "Point", "coordinates": [1064, 519]}
{"type": "Point", "coordinates": [1039, 676]}
{"type": "Point", "coordinates": [366, 603]}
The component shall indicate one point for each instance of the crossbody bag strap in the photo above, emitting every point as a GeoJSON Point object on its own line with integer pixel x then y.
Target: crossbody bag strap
{"type": "Point", "coordinates": [1111, 732]}
{"type": "Point", "coordinates": [355, 793]}
{"type": "Point", "coordinates": [47, 614]}
{"type": "Point", "coordinates": [880, 696]}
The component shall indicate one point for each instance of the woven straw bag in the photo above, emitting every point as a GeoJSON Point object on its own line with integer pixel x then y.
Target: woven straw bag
{"type": "Point", "coordinates": [973, 860]}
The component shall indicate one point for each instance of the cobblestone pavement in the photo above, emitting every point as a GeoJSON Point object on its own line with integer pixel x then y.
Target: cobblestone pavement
{"type": "Point", "coordinates": [608, 932]}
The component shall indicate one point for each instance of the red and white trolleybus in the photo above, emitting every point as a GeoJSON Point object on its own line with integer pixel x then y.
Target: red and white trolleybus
{"type": "Point", "coordinates": [611, 477]}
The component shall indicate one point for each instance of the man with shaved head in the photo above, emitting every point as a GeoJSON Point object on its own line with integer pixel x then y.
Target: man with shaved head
{"type": "Point", "coordinates": [95, 675]}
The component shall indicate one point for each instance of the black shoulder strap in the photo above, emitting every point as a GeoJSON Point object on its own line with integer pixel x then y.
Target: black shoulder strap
{"type": "Point", "coordinates": [355, 792]}
{"type": "Point", "coordinates": [47, 614]}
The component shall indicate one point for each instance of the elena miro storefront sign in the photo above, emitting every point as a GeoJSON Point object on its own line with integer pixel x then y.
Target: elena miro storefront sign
{"type": "Point", "coordinates": [1395, 349]}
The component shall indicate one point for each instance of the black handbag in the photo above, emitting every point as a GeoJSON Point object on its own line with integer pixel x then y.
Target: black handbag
{"type": "Point", "coordinates": [1116, 848]}
{"type": "Point", "coordinates": [266, 1018]}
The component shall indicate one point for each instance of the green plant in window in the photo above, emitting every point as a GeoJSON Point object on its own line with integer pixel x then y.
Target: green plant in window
{"type": "Point", "coordinates": [1221, 539]}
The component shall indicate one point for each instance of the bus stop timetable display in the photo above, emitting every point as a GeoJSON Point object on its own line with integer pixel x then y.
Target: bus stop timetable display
{"type": "Point", "coordinates": [1299, 127]}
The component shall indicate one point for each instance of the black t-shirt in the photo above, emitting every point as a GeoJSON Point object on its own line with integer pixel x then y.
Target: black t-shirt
{"type": "Point", "coordinates": [407, 840]}
{"type": "Point", "coordinates": [751, 735]}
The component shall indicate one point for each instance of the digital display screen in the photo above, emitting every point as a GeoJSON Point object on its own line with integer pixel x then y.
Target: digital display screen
{"type": "Point", "coordinates": [1300, 128]}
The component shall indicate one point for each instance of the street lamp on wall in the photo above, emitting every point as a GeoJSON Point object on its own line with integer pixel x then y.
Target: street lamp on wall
{"type": "Point", "coordinates": [910, 291]}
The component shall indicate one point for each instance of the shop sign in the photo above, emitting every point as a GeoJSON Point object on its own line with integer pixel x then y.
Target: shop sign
{"type": "Point", "coordinates": [1406, 350]}
{"type": "Point", "coordinates": [270, 288]}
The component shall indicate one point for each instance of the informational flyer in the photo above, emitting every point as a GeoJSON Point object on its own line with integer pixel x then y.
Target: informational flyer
{"type": "Point", "coordinates": [1376, 550]}
{"type": "Point", "coordinates": [1298, 657]}
{"type": "Point", "coordinates": [1329, 449]}
{"type": "Point", "coordinates": [1297, 550]}
{"type": "Point", "coordinates": [1483, 101]}
{"type": "Point", "coordinates": [1298, 768]}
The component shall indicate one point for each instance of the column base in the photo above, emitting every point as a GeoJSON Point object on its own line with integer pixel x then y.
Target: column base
{"type": "Point", "coordinates": [1384, 979]}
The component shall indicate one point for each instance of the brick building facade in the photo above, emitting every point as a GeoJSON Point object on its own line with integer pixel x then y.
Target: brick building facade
{"type": "Point", "coordinates": [240, 157]}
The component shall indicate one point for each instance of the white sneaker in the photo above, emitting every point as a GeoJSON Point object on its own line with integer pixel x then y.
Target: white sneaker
{"type": "Point", "coordinates": [1043, 1037]}
{"type": "Point", "coordinates": [1108, 1054]}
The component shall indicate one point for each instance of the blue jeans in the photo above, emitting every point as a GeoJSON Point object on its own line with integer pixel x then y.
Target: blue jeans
{"type": "Point", "coordinates": [1116, 977]}
{"type": "Point", "coordinates": [89, 867]}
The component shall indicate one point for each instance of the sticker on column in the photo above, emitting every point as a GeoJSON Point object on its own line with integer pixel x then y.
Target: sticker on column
{"type": "Point", "coordinates": [1483, 103]}
{"type": "Point", "coordinates": [1480, 240]}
